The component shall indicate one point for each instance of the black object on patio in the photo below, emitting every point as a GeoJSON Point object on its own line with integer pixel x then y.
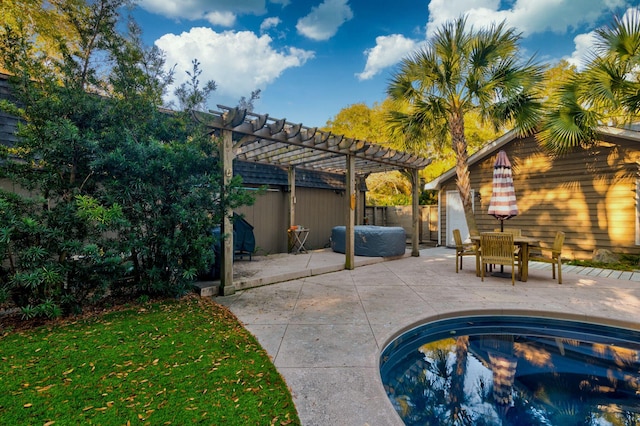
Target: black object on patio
{"type": "Point", "coordinates": [244, 243]}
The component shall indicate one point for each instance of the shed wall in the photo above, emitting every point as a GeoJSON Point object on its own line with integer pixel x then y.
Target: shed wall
{"type": "Point", "coordinates": [590, 195]}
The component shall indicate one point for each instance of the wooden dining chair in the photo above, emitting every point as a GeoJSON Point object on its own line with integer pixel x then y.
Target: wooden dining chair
{"type": "Point", "coordinates": [552, 256]}
{"type": "Point", "coordinates": [516, 232]}
{"type": "Point", "coordinates": [498, 249]}
{"type": "Point", "coordinates": [464, 249]}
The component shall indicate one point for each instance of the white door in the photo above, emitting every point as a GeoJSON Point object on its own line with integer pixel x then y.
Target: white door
{"type": "Point", "coordinates": [455, 217]}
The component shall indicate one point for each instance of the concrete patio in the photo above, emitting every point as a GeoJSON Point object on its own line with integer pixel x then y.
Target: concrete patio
{"type": "Point", "coordinates": [325, 332]}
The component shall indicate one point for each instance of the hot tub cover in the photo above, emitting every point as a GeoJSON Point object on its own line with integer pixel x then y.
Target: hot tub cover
{"type": "Point", "coordinates": [370, 240]}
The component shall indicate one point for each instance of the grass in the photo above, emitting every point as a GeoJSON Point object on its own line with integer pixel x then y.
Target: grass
{"type": "Point", "coordinates": [627, 262]}
{"type": "Point", "coordinates": [173, 362]}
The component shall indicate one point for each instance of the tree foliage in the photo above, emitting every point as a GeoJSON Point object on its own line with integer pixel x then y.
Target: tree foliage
{"type": "Point", "coordinates": [361, 122]}
{"type": "Point", "coordinates": [463, 70]}
{"type": "Point", "coordinates": [120, 197]}
{"type": "Point", "coordinates": [605, 92]}
{"type": "Point", "coordinates": [370, 123]}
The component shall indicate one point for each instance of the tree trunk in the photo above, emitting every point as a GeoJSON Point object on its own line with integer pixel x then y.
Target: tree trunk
{"type": "Point", "coordinates": [457, 381]}
{"type": "Point", "coordinates": [462, 170]}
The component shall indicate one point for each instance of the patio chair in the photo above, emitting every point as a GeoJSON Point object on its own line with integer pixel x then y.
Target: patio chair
{"type": "Point", "coordinates": [552, 256]}
{"type": "Point", "coordinates": [497, 248]}
{"type": "Point", "coordinates": [464, 249]}
{"type": "Point", "coordinates": [517, 232]}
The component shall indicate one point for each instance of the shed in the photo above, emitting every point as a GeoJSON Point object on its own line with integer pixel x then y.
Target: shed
{"type": "Point", "coordinates": [591, 195]}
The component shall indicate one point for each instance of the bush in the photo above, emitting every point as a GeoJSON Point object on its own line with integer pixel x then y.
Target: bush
{"type": "Point", "coordinates": [122, 195]}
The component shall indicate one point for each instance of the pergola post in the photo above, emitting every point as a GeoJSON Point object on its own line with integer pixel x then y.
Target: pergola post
{"type": "Point", "coordinates": [292, 196]}
{"type": "Point", "coordinates": [349, 250]}
{"type": "Point", "coordinates": [415, 213]}
{"type": "Point", "coordinates": [226, 274]}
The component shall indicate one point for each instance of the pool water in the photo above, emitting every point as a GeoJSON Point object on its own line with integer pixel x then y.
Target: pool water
{"type": "Point", "coordinates": [513, 370]}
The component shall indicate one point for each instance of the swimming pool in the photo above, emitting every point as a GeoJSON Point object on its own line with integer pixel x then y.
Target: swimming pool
{"type": "Point", "coordinates": [514, 370]}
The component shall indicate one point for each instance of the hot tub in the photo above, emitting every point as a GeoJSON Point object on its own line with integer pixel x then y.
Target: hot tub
{"type": "Point", "coordinates": [372, 241]}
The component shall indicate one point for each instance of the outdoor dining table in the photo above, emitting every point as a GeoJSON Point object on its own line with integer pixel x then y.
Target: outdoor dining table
{"type": "Point", "coordinates": [524, 243]}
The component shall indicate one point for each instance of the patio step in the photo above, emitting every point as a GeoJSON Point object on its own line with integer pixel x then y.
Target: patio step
{"type": "Point", "coordinates": [207, 288]}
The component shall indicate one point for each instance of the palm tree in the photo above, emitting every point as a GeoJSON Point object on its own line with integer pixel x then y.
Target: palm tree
{"type": "Point", "coordinates": [460, 71]}
{"type": "Point", "coordinates": [607, 91]}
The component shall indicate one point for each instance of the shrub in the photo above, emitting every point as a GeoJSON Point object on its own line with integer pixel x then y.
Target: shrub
{"type": "Point", "coordinates": [122, 196]}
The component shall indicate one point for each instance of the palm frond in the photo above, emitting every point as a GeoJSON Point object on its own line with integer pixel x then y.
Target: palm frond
{"type": "Point", "coordinates": [568, 123]}
{"type": "Point", "coordinates": [523, 111]}
{"type": "Point", "coordinates": [622, 38]}
{"type": "Point", "coordinates": [463, 70]}
{"type": "Point", "coordinates": [422, 129]}
{"type": "Point", "coordinates": [631, 100]}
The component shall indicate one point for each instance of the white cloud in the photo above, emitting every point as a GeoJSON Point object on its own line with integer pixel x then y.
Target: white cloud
{"type": "Point", "coordinates": [584, 46]}
{"type": "Point", "coordinates": [224, 19]}
{"type": "Point", "coordinates": [323, 21]}
{"type": "Point", "coordinates": [388, 51]}
{"type": "Point", "coordinates": [269, 23]}
{"type": "Point", "coordinates": [239, 62]}
{"type": "Point", "coordinates": [527, 16]}
{"type": "Point", "coordinates": [218, 12]}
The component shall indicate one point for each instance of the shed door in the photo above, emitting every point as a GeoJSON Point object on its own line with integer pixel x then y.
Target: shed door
{"type": "Point", "coordinates": [455, 217]}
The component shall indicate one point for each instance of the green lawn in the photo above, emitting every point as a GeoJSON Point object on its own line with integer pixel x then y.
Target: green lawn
{"type": "Point", "coordinates": [175, 362]}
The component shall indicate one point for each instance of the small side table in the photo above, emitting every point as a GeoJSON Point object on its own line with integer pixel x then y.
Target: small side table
{"type": "Point", "coordinates": [300, 236]}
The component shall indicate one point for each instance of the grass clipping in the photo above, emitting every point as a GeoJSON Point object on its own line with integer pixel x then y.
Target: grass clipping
{"type": "Point", "coordinates": [173, 362]}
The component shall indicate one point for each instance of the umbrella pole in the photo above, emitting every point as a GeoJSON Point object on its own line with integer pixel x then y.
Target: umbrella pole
{"type": "Point", "coordinates": [502, 230]}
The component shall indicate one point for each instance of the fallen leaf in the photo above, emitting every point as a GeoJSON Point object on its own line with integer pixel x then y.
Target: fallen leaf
{"type": "Point", "coordinates": [27, 405]}
{"type": "Point", "coordinates": [44, 388]}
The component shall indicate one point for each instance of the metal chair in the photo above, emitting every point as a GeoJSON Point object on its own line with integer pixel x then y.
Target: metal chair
{"type": "Point", "coordinates": [464, 249]}
{"type": "Point", "coordinates": [497, 248]}
{"type": "Point", "coordinates": [553, 256]}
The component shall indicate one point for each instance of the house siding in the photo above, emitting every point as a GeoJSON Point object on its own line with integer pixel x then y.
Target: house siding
{"type": "Point", "coordinates": [588, 194]}
{"type": "Point", "coordinates": [317, 209]}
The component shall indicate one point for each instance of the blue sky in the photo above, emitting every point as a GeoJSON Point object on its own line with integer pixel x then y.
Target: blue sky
{"type": "Point", "coordinates": [311, 58]}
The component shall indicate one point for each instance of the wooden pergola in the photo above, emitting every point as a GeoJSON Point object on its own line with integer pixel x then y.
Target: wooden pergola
{"type": "Point", "coordinates": [261, 139]}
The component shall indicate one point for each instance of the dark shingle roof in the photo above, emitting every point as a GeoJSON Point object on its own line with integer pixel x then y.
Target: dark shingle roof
{"type": "Point", "coordinates": [263, 174]}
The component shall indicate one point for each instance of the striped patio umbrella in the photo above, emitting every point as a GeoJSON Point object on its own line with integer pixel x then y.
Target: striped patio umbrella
{"type": "Point", "coordinates": [502, 205]}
